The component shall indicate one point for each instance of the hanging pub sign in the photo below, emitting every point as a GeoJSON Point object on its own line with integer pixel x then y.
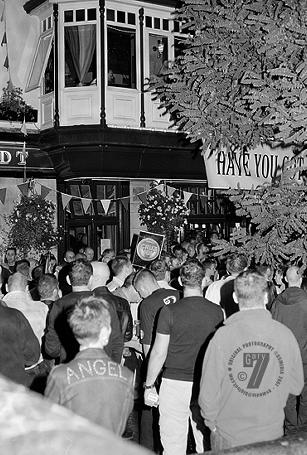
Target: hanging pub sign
{"type": "Point", "coordinates": [147, 247]}
{"type": "Point", "coordinates": [251, 168]}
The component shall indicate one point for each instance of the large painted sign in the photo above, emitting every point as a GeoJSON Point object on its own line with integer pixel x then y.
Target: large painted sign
{"type": "Point", "coordinates": [228, 169]}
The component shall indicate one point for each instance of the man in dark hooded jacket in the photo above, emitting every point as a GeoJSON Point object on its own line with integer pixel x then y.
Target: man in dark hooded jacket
{"type": "Point", "coordinates": [290, 308]}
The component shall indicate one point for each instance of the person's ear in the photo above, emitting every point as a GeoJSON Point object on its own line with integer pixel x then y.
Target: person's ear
{"type": "Point", "coordinates": [266, 299]}
{"type": "Point", "coordinates": [104, 335]}
{"type": "Point", "coordinates": [235, 298]}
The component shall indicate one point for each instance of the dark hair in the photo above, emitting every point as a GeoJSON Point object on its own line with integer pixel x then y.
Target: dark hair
{"type": "Point", "coordinates": [159, 268]}
{"type": "Point", "coordinates": [191, 273]}
{"type": "Point", "coordinates": [46, 285]}
{"type": "Point", "coordinates": [236, 263]}
{"type": "Point", "coordinates": [80, 272]}
{"type": "Point", "coordinates": [208, 263]}
{"type": "Point", "coordinates": [23, 266]}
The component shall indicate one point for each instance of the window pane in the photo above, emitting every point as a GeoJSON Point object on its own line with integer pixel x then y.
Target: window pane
{"type": "Point", "coordinates": [121, 57]}
{"type": "Point", "coordinates": [80, 55]}
{"type": "Point", "coordinates": [86, 191]}
{"type": "Point", "coordinates": [80, 15]}
{"type": "Point", "coordinates": [165, 24]}
{"type": "Point", "coordinates": [75, 190]}
{"type": "Point", "coordinates": [157, 23]}
{"type": "Point", "coordinates": [110, 15]}
{"type": "Point", "coordinates": [148, 21]}
{"type": "Point", "coordinates": [176, 27]}
{"type": "Point", "coordinates": [39, 62]}
{"type": "Point", "coordinates": [158, 54]}
{"type": "Point", "coordinates": [91, 14]}
{"type": "Point", "coordinates": [178, 46]}
{"type": "Point", "coordinates": [48, 86]}
{"type": "Point", "coordinates": [121, 17]}
{"type": "Point", "coordinates": [68, 16]}
{"type": "Point", "coordinates": [106, 192]}
{"type": "Point", "coordinates": [131, 18]}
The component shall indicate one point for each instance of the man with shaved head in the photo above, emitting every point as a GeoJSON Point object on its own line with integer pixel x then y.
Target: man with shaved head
{"type": "Point", "coordinates": [290, 308]}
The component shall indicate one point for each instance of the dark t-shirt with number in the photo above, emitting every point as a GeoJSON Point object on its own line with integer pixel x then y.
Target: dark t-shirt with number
{"type": "Point", "coordinates": [189, 323]}
{"type": "Point", "coordinates": [150, 308]}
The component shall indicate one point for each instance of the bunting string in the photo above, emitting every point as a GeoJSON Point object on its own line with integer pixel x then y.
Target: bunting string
{"type": "Point", "coordinates": [30, 184]}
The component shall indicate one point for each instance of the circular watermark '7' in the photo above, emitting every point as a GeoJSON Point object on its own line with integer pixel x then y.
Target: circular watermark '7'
{"type": "Point", "coordinates": [255, 369]}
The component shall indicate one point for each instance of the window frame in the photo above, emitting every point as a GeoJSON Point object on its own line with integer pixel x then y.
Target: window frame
{"type": "Point", "coordinates": [49, 34]}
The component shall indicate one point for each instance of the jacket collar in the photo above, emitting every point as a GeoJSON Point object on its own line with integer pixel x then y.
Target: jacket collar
{"type": "Point", "coordinates": [92, 353]}
{"type": "Point", "coordinates": [249, 315]}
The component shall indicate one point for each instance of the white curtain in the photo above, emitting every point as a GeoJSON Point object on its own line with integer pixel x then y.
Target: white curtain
{"type": "Point", "coordinates": [81, 41]}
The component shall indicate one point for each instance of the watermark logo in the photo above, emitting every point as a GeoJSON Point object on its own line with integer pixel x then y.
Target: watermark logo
{"type": "Point", "coordinates": [255, 369]}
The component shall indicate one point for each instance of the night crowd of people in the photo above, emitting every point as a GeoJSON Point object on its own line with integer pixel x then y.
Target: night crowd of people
{"type": "Point", "coordinates": [189, 354]}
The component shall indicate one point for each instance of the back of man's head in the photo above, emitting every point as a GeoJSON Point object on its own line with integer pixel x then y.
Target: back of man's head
{"type": "Point", "coordinates": [47, 285]}
{"type": "Point", "coordinates": [145, 283]}
{"type": "Point", "coordinates": [251, 289]}
{"type": "Point", "coordinates": [80, 272]}
{"type": "Point", "coordinates": [191, 274]}
{"type": "Point", "coordinates": [23, 266]}
{"type": "Point", "coordinates": [294, 276]}
{"type": "Point", "coordinates": [101, 274]}
{"type": "Point", "coordinates": [17, 282]}
{"type": "Point", "coordinates": [89, 317]}
{"type": "Point", "coordinates": [69, 256]}
{"type": "Point", "coordinates": [159, 269]}
{"type": "Point", "coordinates": [236, 263]}
{"type": "Point", "coordinates": [119, 264]}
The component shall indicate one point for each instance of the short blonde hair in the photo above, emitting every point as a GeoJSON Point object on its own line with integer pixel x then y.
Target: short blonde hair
{"type": "Point", "coordinates": [250, 287]}
{"type": "Point", "coordinates": [88, 317]}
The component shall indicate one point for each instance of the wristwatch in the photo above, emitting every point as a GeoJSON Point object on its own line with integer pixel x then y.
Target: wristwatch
{"type": "Point", "coordinates": [147, 387]}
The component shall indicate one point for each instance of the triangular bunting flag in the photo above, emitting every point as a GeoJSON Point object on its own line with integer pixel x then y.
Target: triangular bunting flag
{"type": "Point", "coordinates": [2, 195]}
{"type": "Point", "coordinates": [24, 188]}
{"type": "Point", "coordinates": [4, 41]}
{"type": "Point", "coordinates": [142, 196]}
{"type": "Point", "coordinates": [105, 204]}
{"type": "Point", "coordinates": [6, 63]}
{"type": "Point", "coordinates": [23, 128]}
{"type": "Point", "coordinates": [45, 191]}
{"type": "Point", "coordinates": [186, 197]}
{"type": "Point", "coordinates": [170, 190]}
{"type": "Point", "coordinates": [125, 201]}
{"type": "Point", "coordinates": [159, 187]}
{"type": "Point", "coordinates": [86, 203]}
{"type": "Point", "coordinates": [65, 199]}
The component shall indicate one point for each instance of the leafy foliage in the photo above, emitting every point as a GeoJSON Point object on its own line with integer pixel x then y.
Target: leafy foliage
{"type": "Point", "coordinates": [32, 227]}
{"type": "Point", "coordinates": [162, 213]}
{"type": "Point", "coordinates": [278, 220]}
{"type": "Point", "coordinates": [13, 107]}
{"type": "Point", "coordinates": [241, 78]}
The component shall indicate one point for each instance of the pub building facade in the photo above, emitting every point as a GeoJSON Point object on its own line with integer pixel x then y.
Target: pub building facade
{"type": "Point", "coordinates": [99, 130]}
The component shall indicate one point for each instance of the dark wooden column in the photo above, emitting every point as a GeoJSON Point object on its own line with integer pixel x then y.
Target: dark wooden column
{"type": "Point", "coordinates": [141, 19]}
{"type": "Point", "coordinates": [103, 121]}
{"type": "Point", "coordinates": [56, 64]}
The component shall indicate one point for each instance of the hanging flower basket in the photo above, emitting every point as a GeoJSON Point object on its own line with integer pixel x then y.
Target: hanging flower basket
{"type": "Point", "coordinates": [32, 225]}
{"type": "Point", "coordinates": [162, 213]}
